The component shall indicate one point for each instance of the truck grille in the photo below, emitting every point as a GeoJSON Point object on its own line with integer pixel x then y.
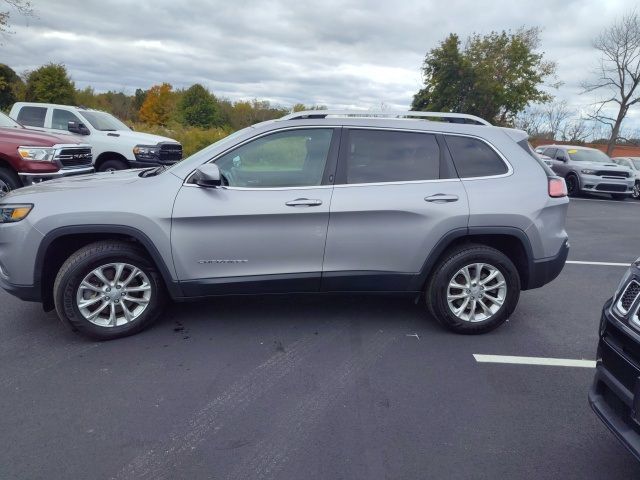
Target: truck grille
{"type": "Point", "coordinates": [75, 157]}
{"type": "Point", "coordinates": [609, 187]}
{"type": "Point", "coordinates": [170, 152]}
{"type": "Point", "coordinates": [613, 173]}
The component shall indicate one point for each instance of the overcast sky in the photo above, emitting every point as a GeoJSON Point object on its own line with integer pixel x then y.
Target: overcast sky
{"type": "Point", "coordinates": [350, 53]}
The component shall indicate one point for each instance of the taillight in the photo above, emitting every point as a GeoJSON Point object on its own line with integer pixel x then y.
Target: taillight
{"type": "Point", "coordinates": [557, 187]}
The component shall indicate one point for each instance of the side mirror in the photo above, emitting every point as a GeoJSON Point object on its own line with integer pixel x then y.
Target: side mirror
{"type": "Point", "coordinates": [78, 128]}
{"type": "Point", "coordinates": [208, 176]}
{"type": "Point", "coordinates": [562, 159]}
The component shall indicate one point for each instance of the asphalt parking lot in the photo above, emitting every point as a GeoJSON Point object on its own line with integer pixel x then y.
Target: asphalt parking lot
{"type": "Point", "coordinates": [321, 387]}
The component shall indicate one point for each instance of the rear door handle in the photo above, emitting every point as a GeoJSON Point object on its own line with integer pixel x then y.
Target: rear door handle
{"type": "Point", "coordinates": [441, 198]}
{"type": "Point", "coordinates": [303, 202]}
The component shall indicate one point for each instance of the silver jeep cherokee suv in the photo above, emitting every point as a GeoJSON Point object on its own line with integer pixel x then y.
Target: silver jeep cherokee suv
{"type": "Point", "coordinates": [455, 209]}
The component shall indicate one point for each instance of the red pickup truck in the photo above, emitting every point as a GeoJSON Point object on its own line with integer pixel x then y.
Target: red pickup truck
{"type": "Point", "coordinates": [29, 156]}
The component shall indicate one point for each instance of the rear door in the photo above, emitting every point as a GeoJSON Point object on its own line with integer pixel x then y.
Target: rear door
{"type": "Point", "coordinates": [266, 230]}
{"type": "Point", "coordinates": [395, 197]}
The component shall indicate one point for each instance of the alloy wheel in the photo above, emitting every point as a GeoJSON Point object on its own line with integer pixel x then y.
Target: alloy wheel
{"type": "Point", "coordinates": [476, 292]}
{"type": "Point", "coordinates": [113, 295]}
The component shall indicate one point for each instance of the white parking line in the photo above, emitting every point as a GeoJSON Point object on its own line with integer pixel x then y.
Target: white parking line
{"type": "Point", "coordinates": [555, 362]}
{"type": "Point", "coordinates": [606, 264]}
{"type": "Point", "coordinates": [630, 202]}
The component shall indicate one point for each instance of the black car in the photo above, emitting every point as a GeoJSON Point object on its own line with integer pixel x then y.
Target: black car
{"type": "Point", "coordinates": [615, 394]}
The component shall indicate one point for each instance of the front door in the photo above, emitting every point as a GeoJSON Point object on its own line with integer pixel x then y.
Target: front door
{"type": "Point", "coordinates": [265, 230]}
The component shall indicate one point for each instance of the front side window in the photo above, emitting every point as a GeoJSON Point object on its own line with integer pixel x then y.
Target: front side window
{"type": "Point", "coordinates": [293, 158]}
{"type": "Point", "coordinates": [61, 118]}
{"type": "Point", "coordinates": [378, 156]}
{"type": "Point", "coordinates": [474, 158]}
{"type": "Point", "coordinates": [32, 116]}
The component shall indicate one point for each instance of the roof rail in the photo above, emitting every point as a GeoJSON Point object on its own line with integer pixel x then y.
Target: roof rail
{"type": "Point", "coordinates": [440, 116]}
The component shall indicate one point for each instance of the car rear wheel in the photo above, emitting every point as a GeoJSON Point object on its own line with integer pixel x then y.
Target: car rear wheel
{"type": "Point", "coordinates": [107, 290]}
{"type": "Point", "coordinates": [113, 165]}
{"type": "Point", "coordinates": [8, 181]}
{"type": "Point", "coordinates": [573, 184]}
{"type": "Point", "coordinates": [473, 290]}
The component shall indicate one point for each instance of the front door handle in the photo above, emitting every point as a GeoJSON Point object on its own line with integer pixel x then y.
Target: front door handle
{"type": "Point", "coordinates": [441, 198]}
{"type": "Point", "coordinates": [303, 202]}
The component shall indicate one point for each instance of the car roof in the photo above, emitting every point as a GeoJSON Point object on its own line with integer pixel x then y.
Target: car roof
{"type": "Point", "coordinates": [53, 105]}
{"type": "Point", "coordinates": [571, 147]}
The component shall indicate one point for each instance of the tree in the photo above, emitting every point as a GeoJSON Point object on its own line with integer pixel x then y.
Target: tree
{"type": "Point", "coordinates": [556, 115]}
{"type": "Point", "coordinates": [23, 7]}
{"type": "Point", "coordinates": [495, 76]}
{"type": "Point", "coordinates": [618, 74]}
{"type": "Point", "coordinates": [10, 86]}
{"type": "Point", "coordinates": [158, 105]}
{"type": "Point", "coordinates": [199, 108]}
{"type": "Point", "coordinates": [50, 84]}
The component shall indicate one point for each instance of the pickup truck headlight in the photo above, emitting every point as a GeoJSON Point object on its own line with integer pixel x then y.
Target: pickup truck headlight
{"type": "Point", "coordinates": [146, 151]}
{"type": "Point", "coordinates": [14, 213]}
{"type": "Point", "coordinates": [588, 171]}
{"type": "Point", "coordinates": [37, 154]}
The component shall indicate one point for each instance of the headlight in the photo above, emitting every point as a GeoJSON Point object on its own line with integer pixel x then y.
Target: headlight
{"type": "Point", "coordinates": [637, 263]}
{"type": "Point", "coordinates": [37, 154]}
{"type": "Point", "coordinates": [587, 171]}
{"type": "Point", "coordinates": [14, 213]}
{"type": "Point", "coordinates": [146, 151]}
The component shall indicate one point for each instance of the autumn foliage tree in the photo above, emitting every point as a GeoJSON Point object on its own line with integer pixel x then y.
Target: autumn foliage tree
{"type": "Point", "coordinates": [158, 105]}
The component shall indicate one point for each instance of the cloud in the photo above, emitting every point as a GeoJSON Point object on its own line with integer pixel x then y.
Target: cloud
{"type": "Point", "coordinates": [351, 53]}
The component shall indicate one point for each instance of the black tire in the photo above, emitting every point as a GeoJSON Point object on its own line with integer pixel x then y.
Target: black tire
{"type": "Point", "coordinates": [573, 184]}
{"type": "Point", "coordinates": [446, 270]}
{"type": "Point", "coordinates": [617, 196]}
{"type": "Point", "coordinates": [113, 165]}
{"type": "Point", "coordinates": [8, 181]}
{"type": "Point", "coordinates": [84, 261]}
{"type": "Point", "coordinates": [636, 191]}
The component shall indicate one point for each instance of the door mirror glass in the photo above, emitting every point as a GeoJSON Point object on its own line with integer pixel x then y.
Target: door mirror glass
{"type": "Point", "coordinates": [79, 128]}
{"type": "Point", "coordinates": [208, 176]}
{"type": "Point", "coordinates": [561, 158]}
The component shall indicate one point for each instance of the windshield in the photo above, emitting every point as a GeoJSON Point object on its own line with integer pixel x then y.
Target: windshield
{"type": "Point", "coordinates": [5, 122]}
{"type": "Point", "coordinates": [584, 155]}
{"type": "Point", "coordinates": [103, 121]}
{"type": "Point", "coordinates": [636, 162]}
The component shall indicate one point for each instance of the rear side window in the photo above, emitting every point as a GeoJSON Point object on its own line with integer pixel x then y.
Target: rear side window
{"type": "Point", "coordinates": [32, 116]}
{"type": "Point", "coordinates": [474, 158]}
{"type": "Point", "coordinates": [375, 156]}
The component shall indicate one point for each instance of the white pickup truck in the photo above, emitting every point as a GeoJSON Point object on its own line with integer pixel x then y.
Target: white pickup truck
{"type": "Point", "coordinates": [115, 145]}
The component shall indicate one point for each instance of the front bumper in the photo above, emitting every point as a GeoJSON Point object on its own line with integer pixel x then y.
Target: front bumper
{"type": "Point", "coordinates": [615, 393]}
{"type": "Point", "coordinates": [599, 184]}
{"type": "Point", "coordinates": [31, 178]}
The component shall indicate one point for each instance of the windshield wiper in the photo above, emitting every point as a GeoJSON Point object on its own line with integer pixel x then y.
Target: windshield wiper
{"type": "Point", "coordinates": [152, 172]}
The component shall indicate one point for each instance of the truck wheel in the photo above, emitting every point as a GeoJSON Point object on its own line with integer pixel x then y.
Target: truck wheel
{"type": "Point", "coordinates": [113, 165]}
{"type": "Point", "coordinates": [108, 290]}
{"type": "Point", "coordinates": [573, 184]}
{"type": "Point", "coordinates": [473, 290]}
{"type": "Point", "coordinates": [8, 181]}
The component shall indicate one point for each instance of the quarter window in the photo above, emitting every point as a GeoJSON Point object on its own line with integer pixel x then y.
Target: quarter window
{"type": "Point", "coordinates": [294, 158]}
{"type": "Point", "coordinates": [32, 116]}
{"type": "Point", "coordinates": [474, 158]}
{"type": "Point", "coordinates": [375, 156]}
{"type": "Point", "coordinates": [61, 119]}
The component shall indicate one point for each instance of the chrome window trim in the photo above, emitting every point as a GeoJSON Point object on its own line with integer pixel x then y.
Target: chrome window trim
{"type": "Point", "coordinates": [186, 182]}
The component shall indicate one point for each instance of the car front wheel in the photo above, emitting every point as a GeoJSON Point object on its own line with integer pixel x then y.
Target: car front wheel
{"type": "Point", "coordinates": [107, 290]}
{"type": "Point", "coordinates": [473, 290]}
{"type": "Point", "coordinates": [573, 184]}
{"type": "Point", "coordinates": [636, 191]}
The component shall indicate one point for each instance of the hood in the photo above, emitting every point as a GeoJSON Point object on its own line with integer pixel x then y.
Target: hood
{"type": "Point", "coordinates": [602, 166]}
{"type": "Point", "coordinates": [28, 137]}
{"type": "Point", "coordinates": [140, 138]}
{"type": "Point", "coordinates": [90, 181]}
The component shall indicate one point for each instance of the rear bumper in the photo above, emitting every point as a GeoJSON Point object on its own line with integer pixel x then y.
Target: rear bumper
{"type": "Point", "coordinates": [545, 270]}
{"type": "Point", "coordinates": [615, 393]}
